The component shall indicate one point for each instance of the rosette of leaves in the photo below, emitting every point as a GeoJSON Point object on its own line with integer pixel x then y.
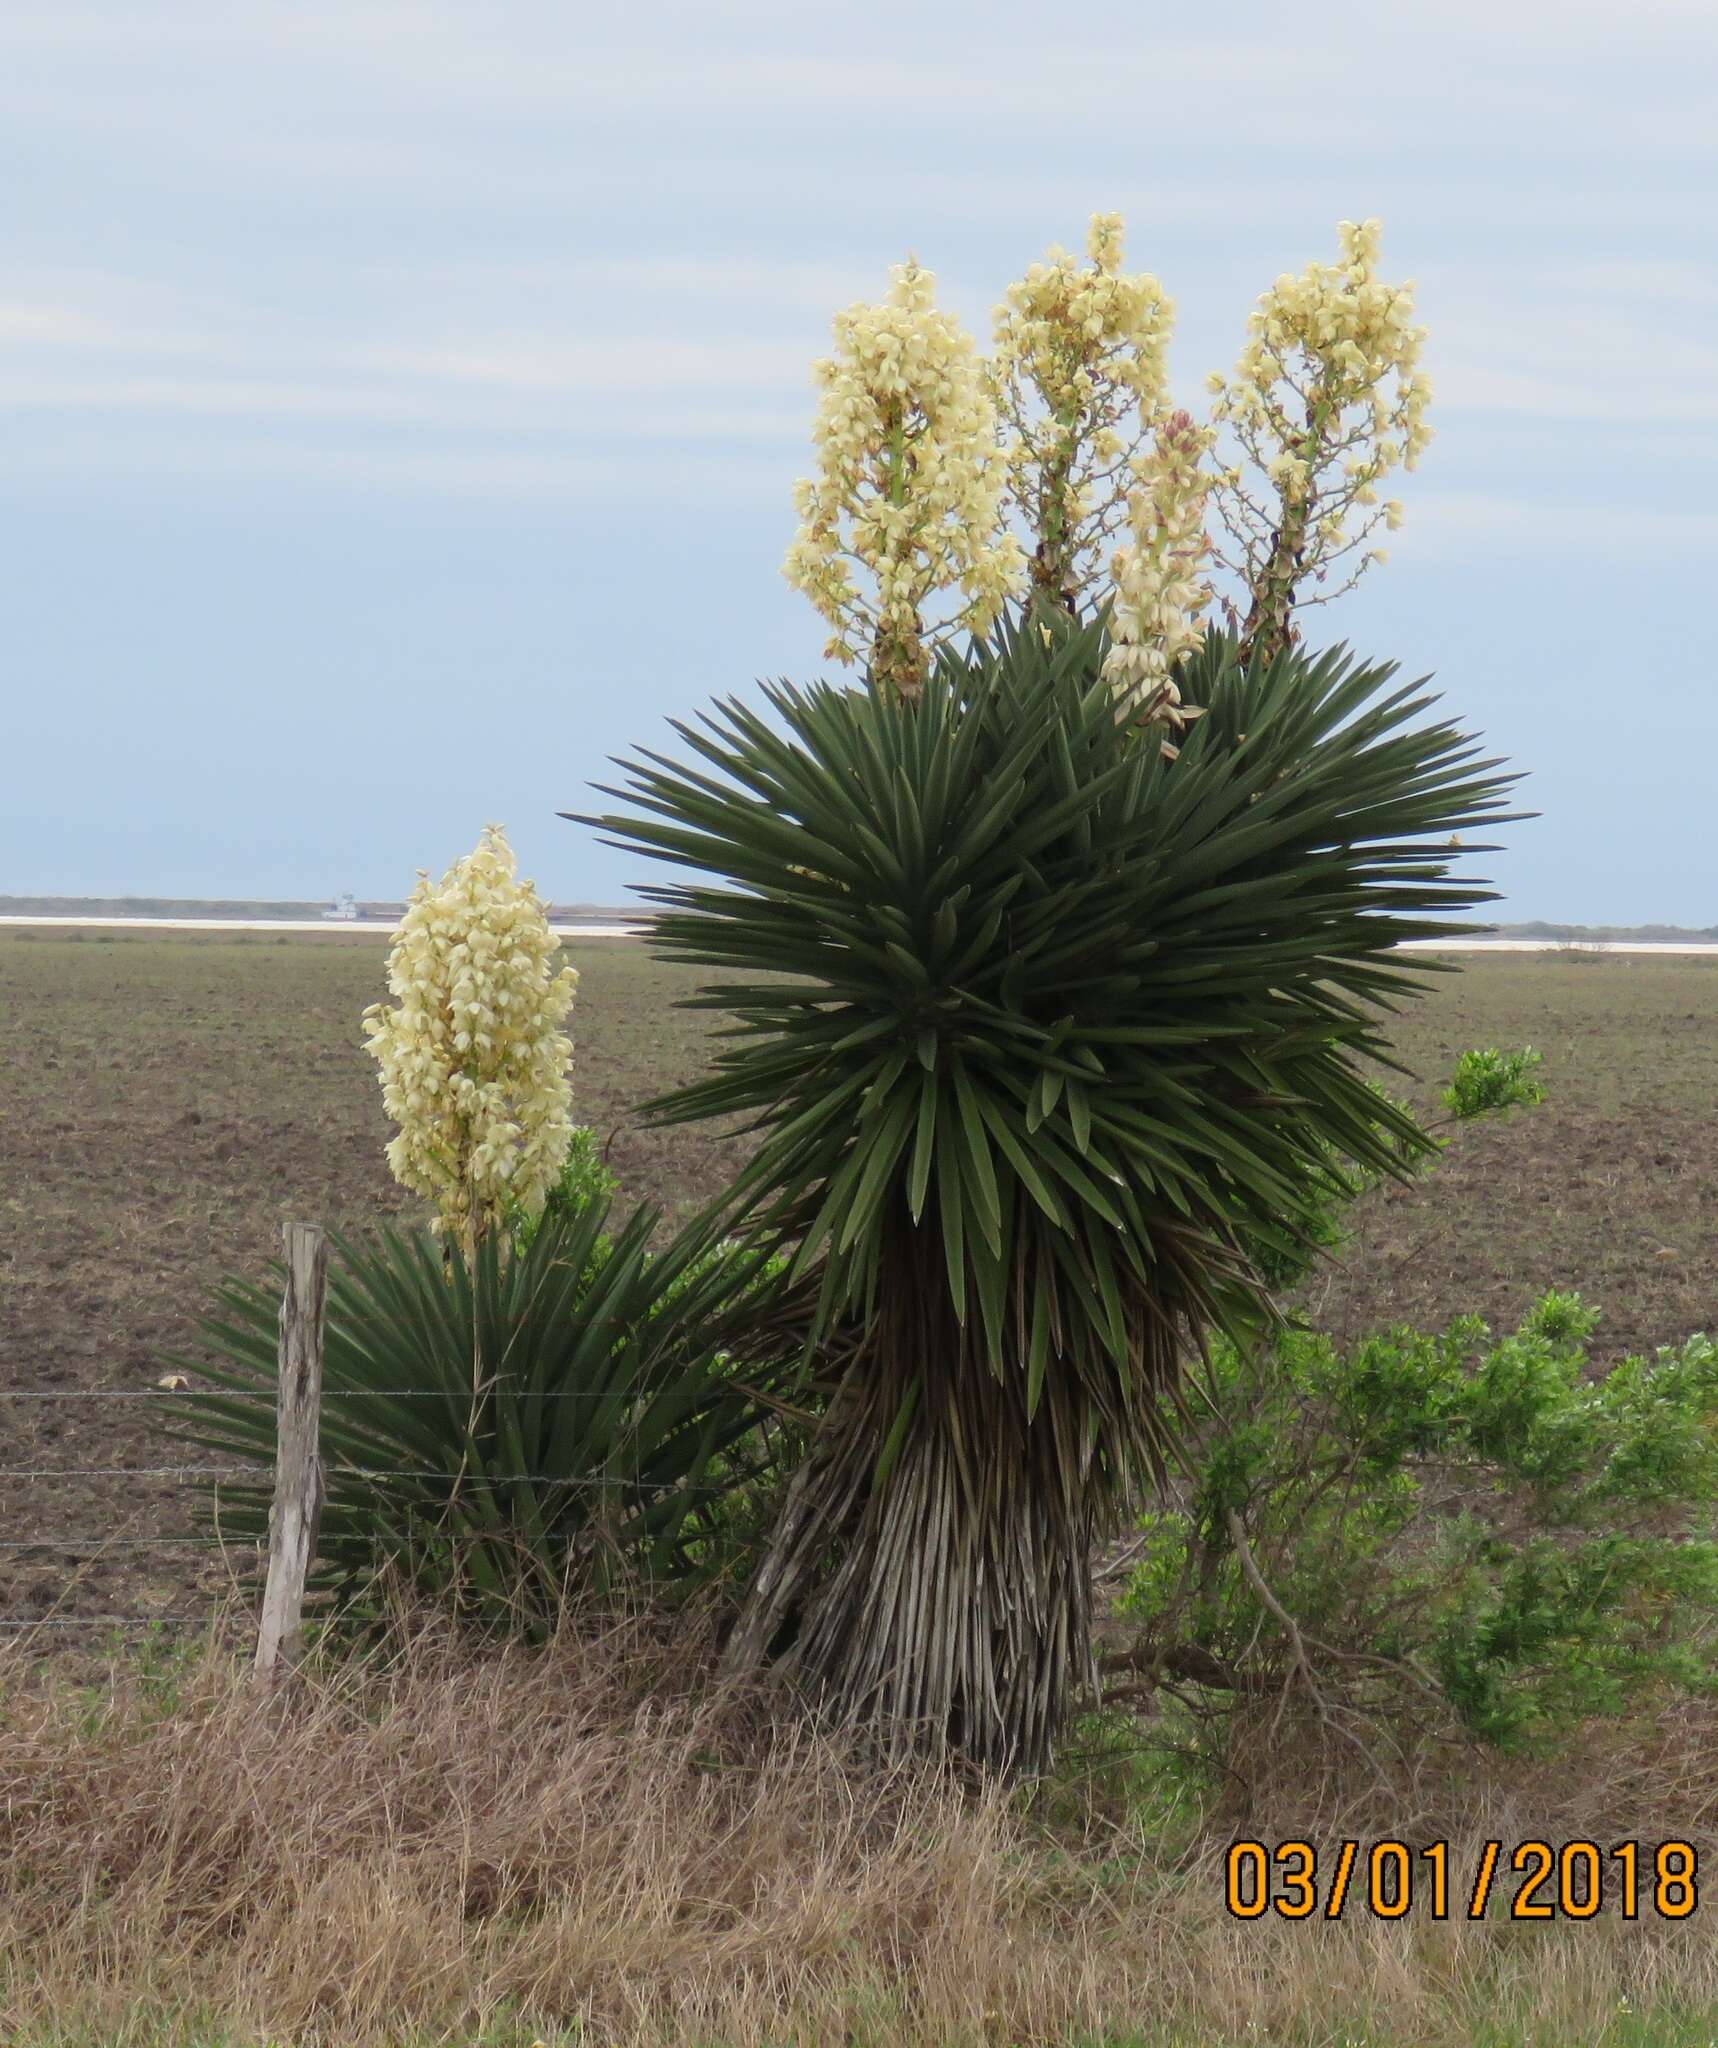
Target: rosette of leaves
{"type": "Point", "coordinates": [559, 1421]}
{"type": "Point", "coordinates": [1043, 1036]}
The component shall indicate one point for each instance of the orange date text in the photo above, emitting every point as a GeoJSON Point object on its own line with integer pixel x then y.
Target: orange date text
{"type": "Point", "coordinates": [1529, 1880]}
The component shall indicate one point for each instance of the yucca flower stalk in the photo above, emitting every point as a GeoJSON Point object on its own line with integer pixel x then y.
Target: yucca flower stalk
{"type": "Point", "coordinates": [926, 453]}
{"type": "Point", "coordinates": [474, 1060]}
{"type": "Point", "coordinates": [1042, 1035]}
{"type": "Point", "coordinates": [1079, 367]}
{"type": "Point", "coordinates": [1328, 398]}
{"type": "Point", "coordinates": [1159, 572]}
{"type": "Point", "coordinates": [904, 514]}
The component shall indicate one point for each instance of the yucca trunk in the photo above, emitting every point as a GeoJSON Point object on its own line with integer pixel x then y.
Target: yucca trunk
{"type": "Point", "coordinates": [930, 1571]}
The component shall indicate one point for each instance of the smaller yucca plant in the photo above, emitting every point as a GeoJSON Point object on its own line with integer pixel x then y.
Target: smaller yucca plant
{"type": "Point", "coordinates": [556, 1420]}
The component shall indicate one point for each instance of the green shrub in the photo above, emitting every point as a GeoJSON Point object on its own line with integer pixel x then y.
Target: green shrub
{"type": "Point", "coordinates": [585, 1181]}
{"type": "Point", "coordinates": [1487, 1080]}
{"type": "Point", "coordinates": [559, 1420]}
{"type": "Point", "coordinates": [1445, 1516]}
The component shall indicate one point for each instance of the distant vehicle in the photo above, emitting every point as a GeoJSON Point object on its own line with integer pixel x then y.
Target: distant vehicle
{"type": "Point", "coordinates": [343, 910]}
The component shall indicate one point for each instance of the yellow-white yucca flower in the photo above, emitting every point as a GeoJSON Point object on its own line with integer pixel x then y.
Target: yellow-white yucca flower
{"type": "Point", "coordinates": [1080, 364]}
{"type": "Point", "coordinates": [1327, 398]}
{"type": "Point", "coordinates": [1158, 573]}
{"type": "Point", "coordinates": [473, 1056]}
{"type": "Point", "coordinates": [906, 506]}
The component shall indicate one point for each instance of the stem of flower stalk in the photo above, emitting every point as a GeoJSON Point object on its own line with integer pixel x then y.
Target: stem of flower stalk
{"type": "Point", "coordinates": [1268, 628]}
{"type": "Point", "coordinates": [897, 657]}
{"type": "Point", "coordinates": [897, 492]}
{"type": "Point", "coordinates": [1050, 564]}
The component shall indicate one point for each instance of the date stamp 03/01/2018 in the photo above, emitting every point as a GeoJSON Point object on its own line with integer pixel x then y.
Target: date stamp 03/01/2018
{"type": "Point", "coordinates": [1526, 1880]}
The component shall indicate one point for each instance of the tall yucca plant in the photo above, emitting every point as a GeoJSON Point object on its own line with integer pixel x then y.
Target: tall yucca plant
{"type": "Point", "coordinates": [1042, 1032]}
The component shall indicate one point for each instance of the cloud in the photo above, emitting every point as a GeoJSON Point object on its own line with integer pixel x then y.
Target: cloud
{"type": "Point", "coordinates": [1666, 281]}
{"type": "Point", "coordinates": [104, 326]}
{"type": "Point", "coordinates": [691, 287]}
{"type": "Point", "coordinates": [214, 395]}
{"type": "Point", "coordinates": [1463, 518]}
{"type": "Point", "coordinates": [58, 327]}
{"type": "Point", "coordinates": [1583, 343]}
{"type": "Point", "coordinates": [385, 96]}
{"type": "Point", "coordinates": [645, 233]}
{"type": "Point", "coordinates": [631, 364]}
{"type": "Point", "coordinates": [99, 348]}
{"type": "Point", "coordinates": [1480, 386]}
{"type": "Point", "coordinates": [688, 472]}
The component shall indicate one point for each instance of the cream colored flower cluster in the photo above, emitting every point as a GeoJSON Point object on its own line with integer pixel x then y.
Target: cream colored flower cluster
{"type": "Point", "coordinates": [924, 453]}
{"type": "Point", "coordinates": [1327, 398]}
{"type": "Point", "coordinates": [907, 501]}
{"type": "Point", "coordinates": [1158, 572]}
{"type": "Point", "coordinates": [473, 1056]}
{"type": "Point", "coordinates": [1080, 367]}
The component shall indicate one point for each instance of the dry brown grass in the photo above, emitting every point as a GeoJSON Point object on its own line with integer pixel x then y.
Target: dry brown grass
{"type": "Point", "coordinates": [592, 1838]}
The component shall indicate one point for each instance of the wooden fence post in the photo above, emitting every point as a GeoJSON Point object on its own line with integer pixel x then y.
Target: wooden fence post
{"type": "Point", "coordinates": [297, 1468]}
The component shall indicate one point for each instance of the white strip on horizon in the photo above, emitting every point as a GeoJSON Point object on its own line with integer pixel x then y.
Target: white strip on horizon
{"type": "Point", "coordinates": [1686, 947]}
{"type": "Point", "coordinates": [291, 924]}
{"type": "Point", "coordinates": [1692, 948]}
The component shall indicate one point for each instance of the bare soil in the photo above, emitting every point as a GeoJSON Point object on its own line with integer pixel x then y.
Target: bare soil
{"type": "Point", "coordinates": [165, 1102]}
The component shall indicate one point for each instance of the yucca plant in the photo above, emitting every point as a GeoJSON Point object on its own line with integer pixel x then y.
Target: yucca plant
{"type": "Point", "coordinates": [497, 1436]}
{"type": "Point", "coordinates": [1045, 1034]}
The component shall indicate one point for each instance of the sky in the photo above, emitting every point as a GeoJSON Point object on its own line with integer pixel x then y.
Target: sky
{"type": "Point", "coordinates": [400, 403]}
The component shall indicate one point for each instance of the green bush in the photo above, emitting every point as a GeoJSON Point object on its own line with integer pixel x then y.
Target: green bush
{"type": "Point", "coordinates": [1451, 1516]}
{"type": "Point", "coordinates": [562, 1419]}
{"type": "Point", "coordinates": [1488, 1080]}
{"type": "Point", "coordinates": [585, 1181]}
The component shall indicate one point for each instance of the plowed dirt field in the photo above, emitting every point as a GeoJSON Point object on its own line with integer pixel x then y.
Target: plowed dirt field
{"type": "Point", "coordinates": [166, 1101]}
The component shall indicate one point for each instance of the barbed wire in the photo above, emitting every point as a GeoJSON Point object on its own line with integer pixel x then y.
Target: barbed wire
{"type": "Point", "coordinates": [264, 1474]}
{"type": "Point", "coordinates": [215, 1472]}
{"type": "Point", "coordinates": [259, 1476]}
{"type": "Point", "coordinates": [167, 1394]}
{"type": "Point", "coordinates": [119, 1543]}
{"type": "Point", "coordinates": [104, 1621]}
{"type": "Point", "coordinates": [146, 1393]}
{"type": "Point", "coordinates": [117, 1393]}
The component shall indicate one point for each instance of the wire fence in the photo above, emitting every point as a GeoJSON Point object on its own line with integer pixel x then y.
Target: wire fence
{"type": "Point", "coordinates": [301, 1479]}
{"type": "Point", "coordinates": [259, 1476]}
{"type": "Point", "coordinates": [91, 1547]}
{"type": "Point", "coordinates": [297, 1481]}
{"type": "Point", "coordinates": [161, 1396]}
